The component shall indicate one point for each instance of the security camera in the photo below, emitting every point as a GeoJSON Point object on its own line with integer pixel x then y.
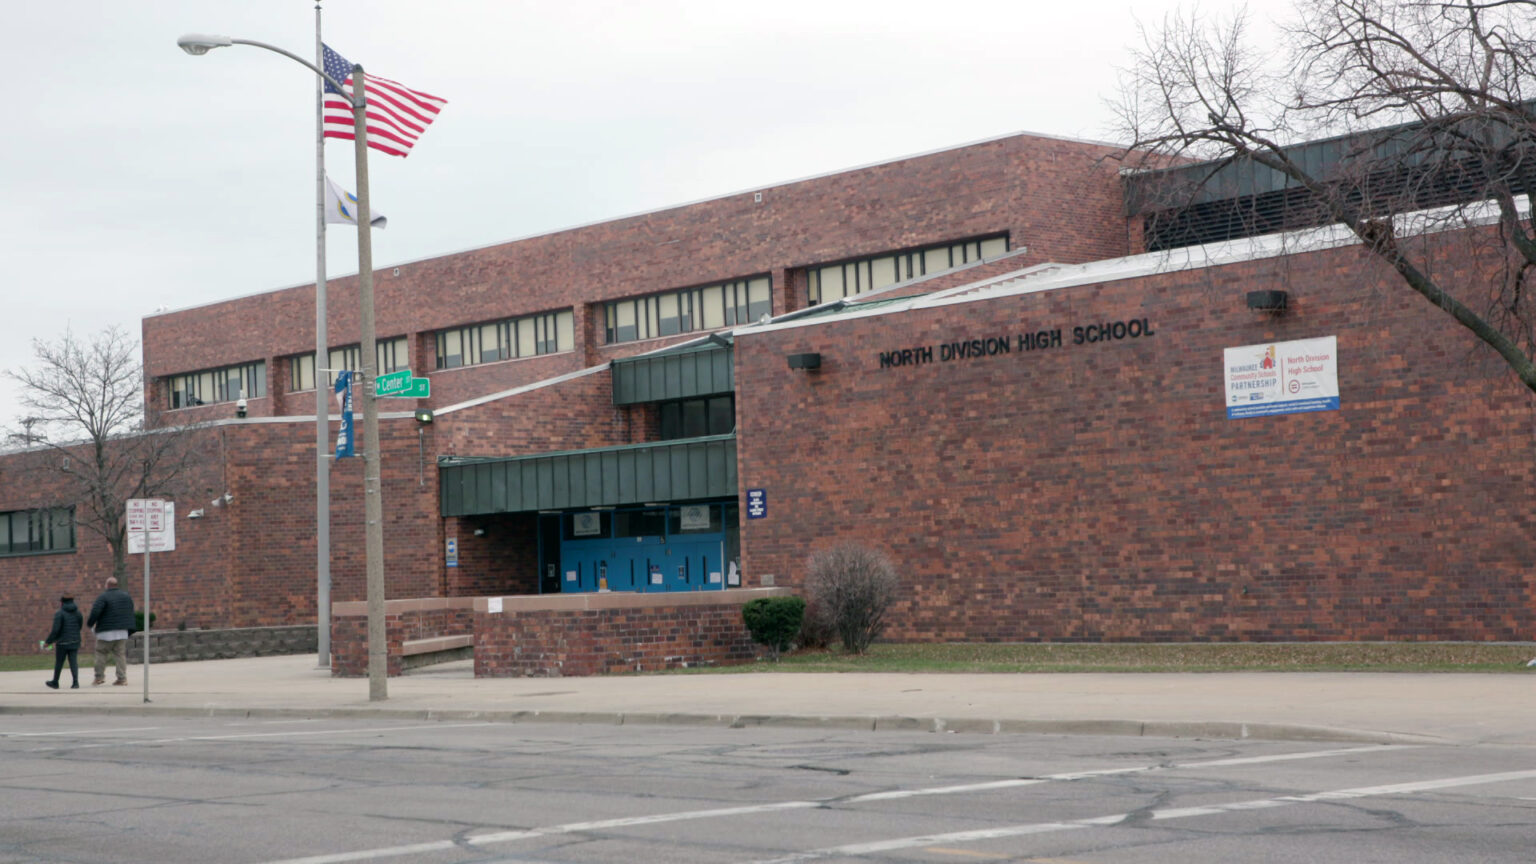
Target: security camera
{"type": "Point", "coordinates": [240, 407]}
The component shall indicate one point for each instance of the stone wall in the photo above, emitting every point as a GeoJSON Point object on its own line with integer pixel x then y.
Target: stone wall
{"type": "Point", "coordinates": [175, 646]}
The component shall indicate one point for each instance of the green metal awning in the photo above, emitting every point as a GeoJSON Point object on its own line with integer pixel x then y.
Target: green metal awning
{"type": "Point", "coordinates": [682, 470]}
{"type": "Point", "coordinates": [687, 372]}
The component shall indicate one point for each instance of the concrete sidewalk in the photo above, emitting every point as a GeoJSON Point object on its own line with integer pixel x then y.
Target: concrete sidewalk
{"type": "Point", "coordinates": [1371, 707]}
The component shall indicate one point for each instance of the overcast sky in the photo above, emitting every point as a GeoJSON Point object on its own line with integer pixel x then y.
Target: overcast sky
{"type": "Point", "coordinates": [138, 177]}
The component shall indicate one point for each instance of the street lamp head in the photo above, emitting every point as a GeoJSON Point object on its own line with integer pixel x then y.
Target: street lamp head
{"type": "Point", "coordinates": [200, 43]}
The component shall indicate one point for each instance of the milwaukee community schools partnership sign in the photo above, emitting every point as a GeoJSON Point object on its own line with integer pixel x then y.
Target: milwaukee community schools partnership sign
{"type": "Point", "coordinates": [1282, 378]}
{"type": "Point", "coordinates": [990, 346]}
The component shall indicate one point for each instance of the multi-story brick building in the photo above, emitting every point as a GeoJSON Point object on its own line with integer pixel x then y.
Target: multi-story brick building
{"type": "Point", "coordinates": [1027, 412]}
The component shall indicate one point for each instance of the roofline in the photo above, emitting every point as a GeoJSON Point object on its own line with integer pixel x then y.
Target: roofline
{"type": "Point", "coordinates": [643, 213]}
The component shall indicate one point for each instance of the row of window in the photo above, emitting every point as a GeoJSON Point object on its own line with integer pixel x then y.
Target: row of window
{"type": "Point", "coordinates": [836, 281]}
{"type": "Point", "coordinates": [392, 354]}
{"type": "Point", "coordinates": [711, 307]}
{"type": "Point", "coordinates": [528, 336]}
{"type": "Point", "coordinates": [27, 532]}
{"type": "Point", "coordinates": [225, 384]}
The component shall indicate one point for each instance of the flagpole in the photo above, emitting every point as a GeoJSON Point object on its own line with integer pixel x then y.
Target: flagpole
{"type": "Point", "coordinates": [322, 394]}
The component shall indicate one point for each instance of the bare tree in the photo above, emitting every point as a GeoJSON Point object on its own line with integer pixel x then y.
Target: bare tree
{"type": "Point", "coordinates": [85, 431]}
{"type": "Point", "coordinates": [852, 589]}
{"type": "Point", "coordinates": [1431, 129]}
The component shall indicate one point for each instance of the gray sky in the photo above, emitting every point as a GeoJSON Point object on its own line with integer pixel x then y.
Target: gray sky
{"type": "Point", "coordinates": [137, 177]}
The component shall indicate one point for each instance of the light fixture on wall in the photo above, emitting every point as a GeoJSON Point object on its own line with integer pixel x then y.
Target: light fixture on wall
{"type": "Point", "coordinates": [1273, 302]}
{"type": "Point", "coordinates": [196, 514]}
{"type": "Point", "coordinates": [479, 532]}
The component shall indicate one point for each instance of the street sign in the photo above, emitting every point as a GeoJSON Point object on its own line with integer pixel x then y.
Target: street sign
{"type": "Point", "coordinates": [162, 539]}
{"type": "Point", "coordinates": [416, 388]}
{"type": "Point", "coordinates": [146, 514]}
{"type": "Point", "coordinates": [393, 383]}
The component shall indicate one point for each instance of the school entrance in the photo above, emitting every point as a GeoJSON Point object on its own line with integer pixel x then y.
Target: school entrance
{"type": "Point", "coordinates": [657, 548]}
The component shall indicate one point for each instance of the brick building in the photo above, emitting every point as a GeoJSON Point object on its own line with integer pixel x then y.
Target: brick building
{"type": "Point", "coordinates": [963, 358]}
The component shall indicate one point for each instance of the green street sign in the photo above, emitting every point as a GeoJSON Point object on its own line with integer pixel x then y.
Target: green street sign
{"type": "Point", "coordinates": [392, 384]}
{"type": "Point", "coordinates": [416, 388]}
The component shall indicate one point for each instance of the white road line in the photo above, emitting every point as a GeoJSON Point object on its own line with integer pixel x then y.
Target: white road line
{"type": "Point", "coordinates": [1109, 772]}
{"type": "Point", "coordinates": [1173, 813]}
{"type": "Point", "coordinates": [746, 810]}
{"type": "Point", "coordinates": [87, 732]}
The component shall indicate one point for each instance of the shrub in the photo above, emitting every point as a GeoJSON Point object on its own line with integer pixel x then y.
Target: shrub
{"type": "Point", "coordinates": [774, 621]}
{"type": "Point", "coordinates": [852, 588]}
{"type": "Point", "coordinates": [138, 619]}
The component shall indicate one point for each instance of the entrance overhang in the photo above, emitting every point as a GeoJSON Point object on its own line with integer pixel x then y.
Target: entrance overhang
{"type": "Point", "coordinates": [687, 469]}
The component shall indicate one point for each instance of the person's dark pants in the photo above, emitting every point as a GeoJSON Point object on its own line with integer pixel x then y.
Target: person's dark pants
{"type": "Point", "coordinates": [59, 655]}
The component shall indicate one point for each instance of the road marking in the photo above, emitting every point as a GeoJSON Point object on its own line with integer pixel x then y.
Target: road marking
{"type": "Point", "coordinates": [78, 732]}
{"type": "Point", "coordinates": [965, 853]}
{"type": "Point", "coordinates": [750, 809]}
{"type": "Point", "coordinates": [1109, 772]}
{"type": "Point", "coordinates": [898, 843]}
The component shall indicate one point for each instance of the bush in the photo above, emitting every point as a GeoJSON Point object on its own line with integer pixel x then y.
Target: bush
{"type": "Point", "coordinates": [774, 621]}
{"type": "Point", "coordinates": [852, 588]}
{"type": "Point", "coordinates": [138, 620]}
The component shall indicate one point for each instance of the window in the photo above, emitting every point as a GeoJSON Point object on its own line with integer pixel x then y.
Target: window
{"type": "Point", "coordinates": [392, 354]}
{"type": "Point", "coordinates": [836, 281]}
{"type": "Point", "coordinates": [694, 418]}
{"type": "Point", "coordinates": [226, 384]}
{"type": "Point", "coordinates": [528, 336]}
{"type": "Point", "coordinates": [30, 532]}
{"type": "Point", "coordinates": [708, 308]}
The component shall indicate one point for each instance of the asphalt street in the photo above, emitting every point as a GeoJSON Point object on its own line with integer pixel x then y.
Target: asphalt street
{"type": "Point", "coordinates": [113, 788]}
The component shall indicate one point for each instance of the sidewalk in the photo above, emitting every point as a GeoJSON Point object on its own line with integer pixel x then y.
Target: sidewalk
{"type": "Point", "coordinates": [1370, 707]}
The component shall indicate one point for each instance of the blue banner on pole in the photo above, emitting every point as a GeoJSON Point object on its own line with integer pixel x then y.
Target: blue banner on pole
{"type": "Point", "coordinates": [344, 438]}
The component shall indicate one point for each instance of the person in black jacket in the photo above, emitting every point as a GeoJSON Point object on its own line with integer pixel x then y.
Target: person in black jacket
{"type": "Point", "coordinates": [65, 639]}
{"type": "Point", "coordinates": [112, 619]}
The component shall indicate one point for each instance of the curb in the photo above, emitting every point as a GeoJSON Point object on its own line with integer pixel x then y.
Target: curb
{"type": "Point", "coordinates": [867, 723]}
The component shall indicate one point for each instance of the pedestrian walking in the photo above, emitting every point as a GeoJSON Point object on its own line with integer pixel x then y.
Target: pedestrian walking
{"type": "Point", "coordinates": [112, 620]}
{"type": "Point", "coordinates": [65, 639]}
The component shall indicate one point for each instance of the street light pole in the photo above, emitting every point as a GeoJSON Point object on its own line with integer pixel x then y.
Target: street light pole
{"type": "Point", "coordinates": [373, 507]}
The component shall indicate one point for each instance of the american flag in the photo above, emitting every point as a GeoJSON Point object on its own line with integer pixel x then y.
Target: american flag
{"type": "Point", "coordinates": [396, 115]}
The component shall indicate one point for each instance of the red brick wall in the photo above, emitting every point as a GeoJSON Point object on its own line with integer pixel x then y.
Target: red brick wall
{"type": "Point", "coordinates": [1098, 491]}
{"type": "Point", "coordinates": [189, 585]}
{"type": "Point", "coordinates": [1050, 195]}
{"type": "Point", "coordinates": [601, 641]}
{"type": "Point", "coordinates": [403, 621]}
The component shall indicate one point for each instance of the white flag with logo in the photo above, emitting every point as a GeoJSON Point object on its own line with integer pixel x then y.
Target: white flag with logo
{"type": "Point", "coordinates": [341, 207]}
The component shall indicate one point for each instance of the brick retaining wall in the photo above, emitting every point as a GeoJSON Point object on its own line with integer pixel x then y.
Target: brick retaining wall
{"type": "Point", "coordinates": [559, 634]}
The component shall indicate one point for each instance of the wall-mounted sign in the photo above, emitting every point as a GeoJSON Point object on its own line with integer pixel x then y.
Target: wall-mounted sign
{"type": "Point", "coordinates": [1282, 378]}
{"type": "Point", "coordinates": [586, 524]}
{"type": "Point", "coordinates": [452, 552]}
{"type": "Point", "coordinates": [757, 503]}
{"type": "Point", "coordinates": [694, 517]}
{"type": "Point", "coordinates": [1015, 343]}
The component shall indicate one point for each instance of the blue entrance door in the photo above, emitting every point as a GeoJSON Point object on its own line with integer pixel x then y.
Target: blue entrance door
{"type": "Point", "coordinates": [655, 549]}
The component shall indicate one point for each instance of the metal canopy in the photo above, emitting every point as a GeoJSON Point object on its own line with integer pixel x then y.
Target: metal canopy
{"type": "Point", "coordinates": [687, 373]}
{"type": "Point", "coordinates": [682, 470]}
